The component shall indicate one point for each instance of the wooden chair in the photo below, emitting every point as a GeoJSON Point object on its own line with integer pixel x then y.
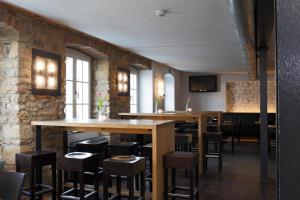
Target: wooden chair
{"type": "Point", "coordinates": [11, 184]}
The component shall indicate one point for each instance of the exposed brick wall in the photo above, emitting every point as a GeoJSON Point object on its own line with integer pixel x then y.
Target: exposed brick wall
{"type": "Point", "coordinates": [35, 32]}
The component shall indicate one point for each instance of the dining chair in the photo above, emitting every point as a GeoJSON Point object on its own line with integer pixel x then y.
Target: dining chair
{"type": "Point", "coordinates": [11, 184]}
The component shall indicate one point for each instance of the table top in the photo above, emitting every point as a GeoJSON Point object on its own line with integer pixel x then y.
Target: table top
{"type": "Point", "coordinates": [172, 114]}
{"type": "Point", "coordinates": [108, 123]}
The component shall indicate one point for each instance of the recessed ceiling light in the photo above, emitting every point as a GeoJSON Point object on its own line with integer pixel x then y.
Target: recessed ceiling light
{"type": "Point", "coordinates": [161, 12]}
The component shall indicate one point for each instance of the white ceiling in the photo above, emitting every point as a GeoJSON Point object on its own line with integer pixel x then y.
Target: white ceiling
{"type": "Point", "coordinates": [196, 36]}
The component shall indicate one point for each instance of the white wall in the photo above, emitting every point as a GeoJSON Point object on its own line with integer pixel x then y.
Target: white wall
{"type": "Point", "coordinates": [145, 91]}
{"type": "Point", "coordinates": [212, 101]}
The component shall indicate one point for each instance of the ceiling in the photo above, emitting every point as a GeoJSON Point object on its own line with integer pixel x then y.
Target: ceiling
{"type": "Point", "coordinates": [195, 36]}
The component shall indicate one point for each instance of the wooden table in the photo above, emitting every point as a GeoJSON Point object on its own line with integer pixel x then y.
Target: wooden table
{"type": "Point", "coordinates": [198, 117]}
{"type": "Point", "coordinates": [162, 131]}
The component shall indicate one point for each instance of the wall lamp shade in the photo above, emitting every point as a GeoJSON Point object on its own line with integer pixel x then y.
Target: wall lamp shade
{"type": "Point", "coordinates": [160, 88]}
{"type": "Point", "coordinates": [45, 73]}
{"type": "Point", "coordinates": [123, 82]}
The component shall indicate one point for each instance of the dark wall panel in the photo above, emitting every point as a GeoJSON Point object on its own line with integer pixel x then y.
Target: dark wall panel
{"type": "Point", "coordinates": [288, 80]}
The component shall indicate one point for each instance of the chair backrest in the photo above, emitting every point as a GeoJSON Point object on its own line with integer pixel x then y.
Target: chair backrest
{"type": "Point", "coordinates": [11, 184]}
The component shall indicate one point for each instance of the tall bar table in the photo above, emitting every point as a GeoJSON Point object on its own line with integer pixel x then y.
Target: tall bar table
{"type": "Point", "coordinates": [162, 131]}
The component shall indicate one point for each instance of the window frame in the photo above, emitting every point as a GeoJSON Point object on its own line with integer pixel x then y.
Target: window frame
{"type": "Point", "coordinates": [134, 71]}
{"type": "Point", "coordinates": [76, 55]}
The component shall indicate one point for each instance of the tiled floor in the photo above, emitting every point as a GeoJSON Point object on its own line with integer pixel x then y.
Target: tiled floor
{"type": "Point", "coordinates": [239, 179]}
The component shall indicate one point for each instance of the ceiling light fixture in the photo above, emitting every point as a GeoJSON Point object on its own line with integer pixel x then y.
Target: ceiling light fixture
{"type": "Point", "coordinates": [161, 12]}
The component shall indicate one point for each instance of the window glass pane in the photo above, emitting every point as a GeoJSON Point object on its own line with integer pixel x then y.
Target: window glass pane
{"type": "Point", "coordinates": [85, 71]}
{"type": "Point", "coordinates": [69, 92]}
{"type": "Point", "coordinates": [85, 93]}
{"type": "Point", "coordinates": [78, 92]}
{"type": "Point", "coordinates": [79, 111]}
{"type": "Point", "coordinates": [69, 68]}
{"type": "Point", "coordinates": [134, 96]}
{"type": "Point", "coordinates": [78, 70]}
{"type": "Point", "coordinates": [69, 111]}
{"type": "Point", "coordinates": [131, 80]}
{"type": "Point", "coordinates": [85, 112]}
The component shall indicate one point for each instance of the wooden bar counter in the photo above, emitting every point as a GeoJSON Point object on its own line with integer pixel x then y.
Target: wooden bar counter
{"type": "Point", "coordinates": [198, 117]}
{"type": "Point", "coordinates": [162, 131]}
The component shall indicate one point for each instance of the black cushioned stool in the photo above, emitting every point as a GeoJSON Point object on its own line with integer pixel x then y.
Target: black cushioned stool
{"type": "Point", "coordinates": [186, 161]}
{"type": "Point", "coordinates": [34, 161]}
{"type": "Point", "coordinates": [215, 138]}
{"type": "Point", "coordinates": [130, 169]}
{"type": "Point", "coordinates": [80, 162]}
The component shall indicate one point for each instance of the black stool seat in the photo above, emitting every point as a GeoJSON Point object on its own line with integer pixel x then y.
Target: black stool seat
{"type": "Point", "coordinates": [92, 146]}
{"type": "Point", "coordinates": [215, 138]}
{"type": "Point", "coordinates": [35, 158]}
{"type": "Point", "coordinates": [79, 162]}
{"type": "Point", "coordinates": [130, 169]}
{"type": "Point", "coordinates": [34, 161]}
{"type": "Point", "coordinates": [181, 160]}
{"type": "Point", "coordinates": [123, 148]}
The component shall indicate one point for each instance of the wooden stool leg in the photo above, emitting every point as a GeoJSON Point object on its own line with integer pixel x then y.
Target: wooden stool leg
{"type": "Point", "coordinates": [173, 182]}
{"type": "Point", "coordinates": [81, 185]}
{"type": "Point", "coordinates": [191, 177]}
{"type": "Point", "coordinates": [96, 184]}
{"type": "Point", "coordinates": [143, 184]}
{"type": "Point", "coordinates": [39, 178]}
{"type": "Point", "coordinates": [197, 182]}
{"type": "Point", "coordinates": [137, 182]}
{"type": "Point", "coordinates": [59, 182]}
{"type": "Point", "coordinates": [220, 156]}
{"type": "Point", "coordinates": [53, 168]}
{"type": "Point", "coordinates": [166, 181]}
{"type": "Point", "coordinates": [131, 187]}
{"type": "Point", "coordinates": [119, 187]}
{"type": "Point", "coordinates": [105, 186]}
{"type": "Point", "coordinates": [32, 184]}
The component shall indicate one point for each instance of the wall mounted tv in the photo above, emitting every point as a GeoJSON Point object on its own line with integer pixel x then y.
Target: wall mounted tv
{"type": "Point", "coordinates": [203, 83]}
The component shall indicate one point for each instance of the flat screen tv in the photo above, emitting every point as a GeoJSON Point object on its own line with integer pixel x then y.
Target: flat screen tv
{"type": "Point", "coordinates": [203, 83]}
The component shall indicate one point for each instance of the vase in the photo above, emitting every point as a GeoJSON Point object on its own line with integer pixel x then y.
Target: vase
{"type": "Point", "coordinates": [102, 114]}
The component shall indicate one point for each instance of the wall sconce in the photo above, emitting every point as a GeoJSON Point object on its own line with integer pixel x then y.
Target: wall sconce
{"type": "Point", "coordinates": [46, 73]}
{"type": "Point", "coordinates": [6, 47]}
{"type": "Point", "coordinates": [123, 82]}
{"type": "Point", "coordinates": [160, 88]}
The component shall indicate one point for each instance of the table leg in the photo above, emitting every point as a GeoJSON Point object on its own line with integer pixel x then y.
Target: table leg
{"type": "Point", "coordinates": [38, 139]}
{"type": "Point", "coordinates": [38, 147]}
{"type": "Point", "coordinates": [163, 142]}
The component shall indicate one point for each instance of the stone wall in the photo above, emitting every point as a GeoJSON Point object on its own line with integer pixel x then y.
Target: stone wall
{"type": "Point", "coordinates": [37, 32]}
{"type": "Point", "coordinates": [243, 96]}
{"type": "Point", "coordinates": [9, 127]}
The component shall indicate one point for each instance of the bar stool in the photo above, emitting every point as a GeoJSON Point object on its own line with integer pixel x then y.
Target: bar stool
{"type": "Point", "coordinates": [131, 168]}
{"type": "Point", "coordinates": [99, 146]}
{"type": "Point", "coordinates": [79, 162]}
{"type": "Point", "coordinates": [214, 138]}
{"type": "Point", "coordinates": [34, 161]}
{"type": "Point", "coordinates": [146, 151]}
{"type": "Point", "coordinates": [186, 161]}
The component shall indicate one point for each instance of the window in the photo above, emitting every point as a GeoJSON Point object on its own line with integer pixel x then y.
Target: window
{"type": "Point", "coordinates": [133, 91]}
{"type": "Point", "coordinates": [169, 92]}
{"type": "Point", "coordinates": [77, 85]}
